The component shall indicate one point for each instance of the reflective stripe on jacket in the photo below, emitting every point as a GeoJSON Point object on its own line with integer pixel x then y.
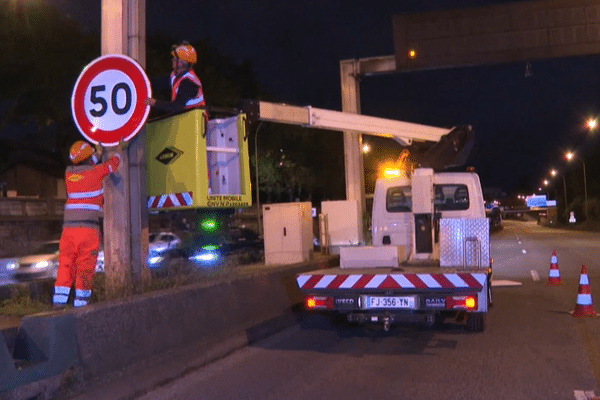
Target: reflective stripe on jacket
{"type": "Point", "coordinates": [85, 196]}
{"type": "Point", "coordinates": [196, 101]}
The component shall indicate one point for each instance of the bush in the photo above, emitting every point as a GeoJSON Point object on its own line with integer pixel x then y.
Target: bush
{"type": "Point", "coordinates": [21, 303]}
{"type": "Point", "coordinates": [37, 297]}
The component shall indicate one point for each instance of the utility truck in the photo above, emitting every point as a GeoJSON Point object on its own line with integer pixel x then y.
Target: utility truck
{"type": "Point", "coordinates": [429, 258]}
{"type": "Point", "coordinates": [430, 254]}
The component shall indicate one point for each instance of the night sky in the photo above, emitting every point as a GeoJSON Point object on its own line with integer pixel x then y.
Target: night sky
{"type": "Point", "coordinates": [522, 123]}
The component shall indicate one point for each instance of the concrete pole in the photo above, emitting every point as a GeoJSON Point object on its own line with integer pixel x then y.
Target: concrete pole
{"type": "Point", "coordinates": [125, 212]}
{"type": "Point", "coordinates": [350, 73]}
{"type": "Point", "coordinates": [353, 160]}
{"type": "Point", "coordinates": [587, 215]}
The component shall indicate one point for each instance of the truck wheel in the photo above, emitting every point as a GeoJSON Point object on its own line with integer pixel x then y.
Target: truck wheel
{"type": "Point", "coordinates": [475, 322]}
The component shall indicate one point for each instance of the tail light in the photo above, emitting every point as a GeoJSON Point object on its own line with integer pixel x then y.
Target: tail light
{"type": "Point", "coordinates": [461, 302]}
{"type": "Point", "coordinates": [313, 302]}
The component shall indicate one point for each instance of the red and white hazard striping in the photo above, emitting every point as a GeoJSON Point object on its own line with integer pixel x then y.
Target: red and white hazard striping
{"type": "Point", "coordinates": [170, 200]}
{"type": "Point", "coordinates": [393, 281]}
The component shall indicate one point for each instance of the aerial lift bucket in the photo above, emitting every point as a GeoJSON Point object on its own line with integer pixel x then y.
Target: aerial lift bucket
{"type": "Point", "coordinates": [192, 163]}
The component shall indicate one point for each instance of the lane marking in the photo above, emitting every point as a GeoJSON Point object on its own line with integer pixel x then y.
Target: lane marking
{"type": "Point", "coordinates": [584, 395]}
{"type": "Point", "coordinates": [505, 283]}
{"type": "Point", "coordinates": [534, 275]}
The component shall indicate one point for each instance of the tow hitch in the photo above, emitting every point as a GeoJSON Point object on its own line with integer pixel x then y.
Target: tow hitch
{"type": "Point", "coordinates": [386, 323]}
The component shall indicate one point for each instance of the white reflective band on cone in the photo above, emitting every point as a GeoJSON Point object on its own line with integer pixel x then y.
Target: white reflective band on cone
{"type": "Point", "coordinates": [554, 260]}
{"type": "Point", "coordinates": [583, 280]}
{"type": "Point", "coordinates": [553, 273]}
{"type": "Point", "coordinates": [584, 299]}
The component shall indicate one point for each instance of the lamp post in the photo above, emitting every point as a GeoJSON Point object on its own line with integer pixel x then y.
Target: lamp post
{"type": "Point", "coordinates": [256, 176]}
{"type": "Point", "coordinates": [569, 156]}
{"type": "Point", "coordinates": [554, 173]}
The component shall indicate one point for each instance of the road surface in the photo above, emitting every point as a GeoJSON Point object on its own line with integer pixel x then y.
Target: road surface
{"type": "Point", "coordinates": [532, 349]}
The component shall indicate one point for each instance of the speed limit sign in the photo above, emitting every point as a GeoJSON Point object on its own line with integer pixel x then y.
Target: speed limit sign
{"type": "Point", "coordinates": [108, 100]}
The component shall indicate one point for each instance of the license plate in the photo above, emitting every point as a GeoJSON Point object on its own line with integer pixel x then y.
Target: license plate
{"type": "Point", "coordinates": [390, 302]}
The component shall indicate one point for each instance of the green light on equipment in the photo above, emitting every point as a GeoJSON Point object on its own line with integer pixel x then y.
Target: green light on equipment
{"type": "Point", "coordinates": [209, 225]}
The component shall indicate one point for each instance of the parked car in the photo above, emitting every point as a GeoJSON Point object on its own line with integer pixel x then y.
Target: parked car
{"type": "Point", "coordinates": [160, 242]}
{"type": "Point", "coordinates": [496, 219]}
{"type": "Point", "coordinates": [42, 263]}
{"type": "Point", "coordinates": [209, 248]}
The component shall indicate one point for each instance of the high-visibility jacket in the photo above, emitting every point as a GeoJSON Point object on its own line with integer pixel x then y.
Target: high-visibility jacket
{"type": "Point", "coordinates": [198, 99]}
{"type": "Point", "coordinates": [85, 196]}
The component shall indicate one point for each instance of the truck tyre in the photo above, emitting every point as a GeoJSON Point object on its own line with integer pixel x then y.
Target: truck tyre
{"type": "Point", "coordinates": [475, 322]}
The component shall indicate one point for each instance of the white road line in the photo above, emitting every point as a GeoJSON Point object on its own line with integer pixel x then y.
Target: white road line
{"type": "Point", "coordinates": [584, 395]}
{"type": "Point", "coordinates": [535, 276]}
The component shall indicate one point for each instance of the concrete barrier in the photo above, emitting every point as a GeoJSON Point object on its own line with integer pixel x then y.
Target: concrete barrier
{"type": "Point", "coordinates": [223, 314]}
{"type": "Point", "coordinates": [44, 346]}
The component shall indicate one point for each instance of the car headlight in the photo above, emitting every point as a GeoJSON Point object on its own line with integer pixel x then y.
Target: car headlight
{"type": "Point", "coordinates": [12, 265]}
{"type": "Point", "coordinates": [154, 259]}
{"type": "Point", "coordinates": [43, 264]}
{"type": "Point", "coordinates": [206, 256]}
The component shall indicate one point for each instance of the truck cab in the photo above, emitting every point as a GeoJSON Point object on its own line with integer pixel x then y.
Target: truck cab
{"type": "Point", "coordinates": [407, 210]}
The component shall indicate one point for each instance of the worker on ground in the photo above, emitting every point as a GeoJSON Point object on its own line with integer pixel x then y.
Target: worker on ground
{"type": "Point", "coordinates": [186, 88]}
{"type": "Point", "coordinates": [80, 238]}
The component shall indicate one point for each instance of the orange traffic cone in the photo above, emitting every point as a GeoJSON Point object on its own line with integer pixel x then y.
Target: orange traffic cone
{"type": "Point", "coordinates": [584, 307]}
{"type": "Point", "coordinates": [554, 273]}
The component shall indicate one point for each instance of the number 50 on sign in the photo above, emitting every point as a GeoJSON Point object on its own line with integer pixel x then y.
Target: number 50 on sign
{"type": "Point", "coordinates": [108, 100]}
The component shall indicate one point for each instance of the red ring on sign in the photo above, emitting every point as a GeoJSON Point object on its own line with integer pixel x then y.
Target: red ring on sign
{"type": "Point", "coordinates": [140, 113]}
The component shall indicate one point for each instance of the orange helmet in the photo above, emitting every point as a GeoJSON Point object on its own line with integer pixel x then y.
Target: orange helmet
{"type": "Point", "coordinates": [80, 151]}
{"type": "Point", "coordinates": [185, 52]}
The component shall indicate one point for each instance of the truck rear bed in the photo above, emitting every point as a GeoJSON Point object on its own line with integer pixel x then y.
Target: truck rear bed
{"type": "Point", "coordinates": [411, 278]}
{"type": "Point", "coordinates": [411, 293]}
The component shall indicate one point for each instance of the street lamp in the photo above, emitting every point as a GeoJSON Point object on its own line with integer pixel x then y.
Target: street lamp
{"type": "Point", "coordinates": [569, 156]}
{"type": "Point", "coordinates": [591, 124]}
{"type": "Point", "coordinates": [256, 176]}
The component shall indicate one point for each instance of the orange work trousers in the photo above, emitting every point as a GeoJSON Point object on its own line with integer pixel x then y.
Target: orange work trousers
{"type": "Point", "coordinates": [78, 251]}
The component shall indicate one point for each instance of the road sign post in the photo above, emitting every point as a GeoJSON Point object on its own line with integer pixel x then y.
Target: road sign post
{"type": "Point", "coordinates": [108, 106]}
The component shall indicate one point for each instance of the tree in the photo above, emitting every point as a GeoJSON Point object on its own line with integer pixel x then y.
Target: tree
{"type": "Point", "coordinates": [299, 163]}
{"type": "Point", "coordinates": [42, 55]}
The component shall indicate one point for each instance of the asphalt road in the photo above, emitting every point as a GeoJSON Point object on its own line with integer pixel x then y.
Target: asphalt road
{"type": "Point", "coordinates": [532, 348]}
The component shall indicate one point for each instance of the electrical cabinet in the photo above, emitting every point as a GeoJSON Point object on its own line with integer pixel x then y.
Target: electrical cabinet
{"type": "Point", "coordinates": [343, 222]}
{"type": "Point", "coordinates": [288, 232]}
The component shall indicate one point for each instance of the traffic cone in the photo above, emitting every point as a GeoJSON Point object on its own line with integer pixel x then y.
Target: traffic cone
{"type": "Point", "coordinates": [584, 307]}
{"type": "Point", "coordinates": [554, 273]}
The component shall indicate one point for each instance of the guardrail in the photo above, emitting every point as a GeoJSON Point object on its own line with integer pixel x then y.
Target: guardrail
{"type": "Point", "coordinates": [20, 208]}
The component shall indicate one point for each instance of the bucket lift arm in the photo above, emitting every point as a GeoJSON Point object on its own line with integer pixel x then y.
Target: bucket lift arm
{"type": "Point", "coordinates": [451, 146]}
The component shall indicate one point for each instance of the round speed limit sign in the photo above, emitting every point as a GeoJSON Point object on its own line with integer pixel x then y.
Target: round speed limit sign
{"type": "Point", "coordinates": [108, 100]}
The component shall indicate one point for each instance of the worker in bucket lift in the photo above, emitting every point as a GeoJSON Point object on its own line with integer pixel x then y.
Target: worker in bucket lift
{"type": "Point", "coordinates": [80, 238]}
{"type": "Point", "coordinates": [186, 88]}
